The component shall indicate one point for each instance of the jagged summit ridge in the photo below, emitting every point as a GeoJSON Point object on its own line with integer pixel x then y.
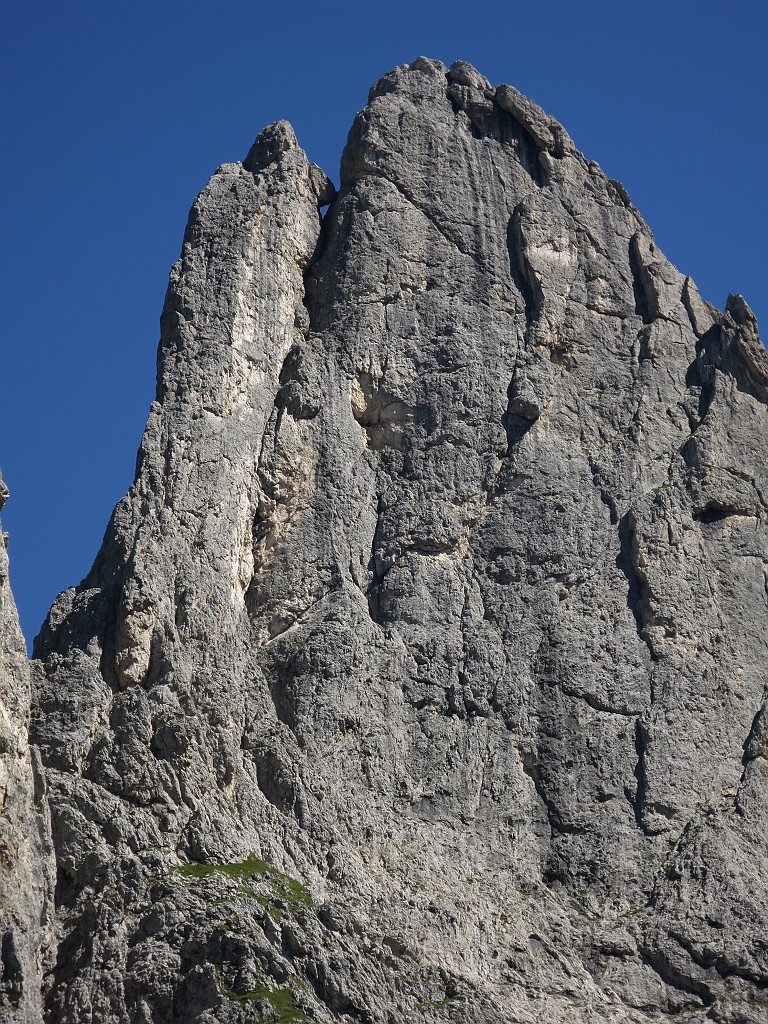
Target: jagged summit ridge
{"type": "Point", "coordinates": [421, 671]}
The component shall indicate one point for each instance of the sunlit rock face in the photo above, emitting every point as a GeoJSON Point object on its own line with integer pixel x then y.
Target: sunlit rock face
{"type": "Point", "coordinates": [422, 671]}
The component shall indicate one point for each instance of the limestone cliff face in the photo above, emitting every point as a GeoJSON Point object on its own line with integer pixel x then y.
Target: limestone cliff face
{"type": "Point", "coordinates": [422, 672]}
{"type": "Point", "coordinates": [27, 871]}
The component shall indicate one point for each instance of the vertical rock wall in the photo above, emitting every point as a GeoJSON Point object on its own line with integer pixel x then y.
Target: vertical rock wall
{"type": "Point", "coordinates": [27, 871]}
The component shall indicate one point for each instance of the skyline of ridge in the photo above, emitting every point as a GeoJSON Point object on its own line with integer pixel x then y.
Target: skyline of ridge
{"type": "Point", "coordinates": [136, 135]}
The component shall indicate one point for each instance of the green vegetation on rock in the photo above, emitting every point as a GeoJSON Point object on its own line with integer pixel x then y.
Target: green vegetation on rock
{"type": "Point", "coordinates": [434, 1004]}
{"type": "Point", "coordinates": [281, 1000]}
{"type": "Point", "coordinates": [285, 889]}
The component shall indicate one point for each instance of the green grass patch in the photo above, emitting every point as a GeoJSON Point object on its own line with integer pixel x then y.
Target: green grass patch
{"type": "Point", "coordinates": [582, 911]}
{"type": "Point", "coordinates": [634, 911]}
{"type": "Point", "coordinates": [281, 1000]}
{"type": "Point", "coordinates": [434, 1004]}
{"type": "Point", "coordinates": [284, 889]}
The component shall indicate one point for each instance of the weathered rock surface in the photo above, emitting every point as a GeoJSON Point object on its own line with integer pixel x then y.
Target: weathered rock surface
{"type": "Point", "coordinates": [27, 870]}
{"type": "Point", "coordinates": [422, 671]}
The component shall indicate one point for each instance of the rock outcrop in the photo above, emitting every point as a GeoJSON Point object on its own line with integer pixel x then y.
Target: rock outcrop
{"type": "Point", "coordinates": [27, 870]}
{"type": "Point", "coordinates": [422, 671]}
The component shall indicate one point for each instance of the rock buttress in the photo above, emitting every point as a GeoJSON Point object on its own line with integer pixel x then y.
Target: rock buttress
{"type": "Point", "coordinates": [27, 871]}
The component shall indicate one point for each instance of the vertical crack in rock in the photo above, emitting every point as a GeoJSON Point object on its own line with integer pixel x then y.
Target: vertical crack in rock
{"type": "Point", "coordinates": [517, 270]}
{"type": "Point", "coordinates": [640, 281]}
{"type": "Point", "coordinates": [627, 562]}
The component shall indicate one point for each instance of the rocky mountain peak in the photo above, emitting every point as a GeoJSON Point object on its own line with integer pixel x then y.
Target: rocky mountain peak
{"type": "Point", "coordinates": [421, 672]}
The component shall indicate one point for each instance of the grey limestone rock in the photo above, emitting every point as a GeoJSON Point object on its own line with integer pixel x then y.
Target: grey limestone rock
{"type": "Point", "coordinates": [422, 672]}
{"type": "Point", "coordinates": [27, 871]}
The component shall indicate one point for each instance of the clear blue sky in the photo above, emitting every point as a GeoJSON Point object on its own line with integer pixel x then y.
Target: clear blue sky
{"type": "Point", "coordinates": [115, 114]}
